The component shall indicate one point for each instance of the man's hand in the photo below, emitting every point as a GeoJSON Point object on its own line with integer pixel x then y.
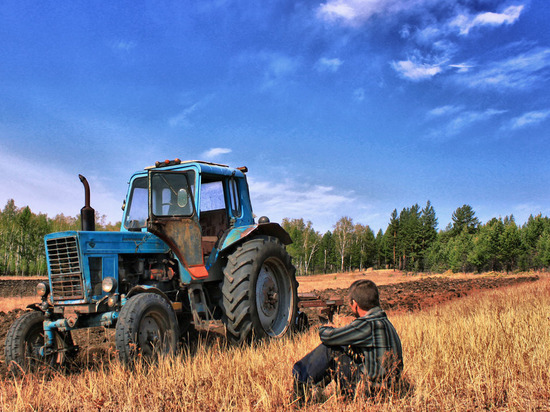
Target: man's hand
{"type": "Point", "coordinates": [338, 321]}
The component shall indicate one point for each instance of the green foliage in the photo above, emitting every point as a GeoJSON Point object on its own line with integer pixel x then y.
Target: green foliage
{"type": "Point", "coordinates": [411, 242]}
{"type": "Point", "coordinates": [22, 238]}
{"type": "Point", "coordinates": [464, 219]}
{"type": "Point", "coordinates": [305, 244]}
{"type": "Point", "coordinates": [343, 232]}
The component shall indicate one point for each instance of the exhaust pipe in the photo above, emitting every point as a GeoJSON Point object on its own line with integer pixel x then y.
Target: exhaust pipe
{"type": "Point", "coordinates": [87, 213]}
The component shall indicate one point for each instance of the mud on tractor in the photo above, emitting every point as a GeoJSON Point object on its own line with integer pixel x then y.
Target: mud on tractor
{"type": "Point", "coordinates": [188, 254]}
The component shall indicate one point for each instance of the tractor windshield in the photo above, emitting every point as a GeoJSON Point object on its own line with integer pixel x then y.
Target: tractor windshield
{"type": "Point", "coordinates": [172, 193]}
{"type": "Point", "coordinates": [136, 209]}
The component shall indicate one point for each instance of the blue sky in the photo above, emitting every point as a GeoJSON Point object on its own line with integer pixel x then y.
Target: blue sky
{"type": "Point", "coordinates": [338, 107]}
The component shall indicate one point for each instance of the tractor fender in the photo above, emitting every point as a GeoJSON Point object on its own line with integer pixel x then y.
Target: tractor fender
{"type": "Point", "coordinates": [136, 290]}
{"type": "Point", "coordinates": [35, 306]}
{"type": "Point", "coordinates": [237, 235]}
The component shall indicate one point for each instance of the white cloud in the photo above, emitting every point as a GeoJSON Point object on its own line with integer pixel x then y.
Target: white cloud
{"type": "Point", "coordinates": [528, 119]}
{"type": "Point", "coordinates": [357, 12]}
{"type": "Point", "coordinates": [416, 71]}
{"type": "Point", "coordinates": [215, 152]}
{"type": "Point", "coordinates": [444, 110]}
{"type": "Point", "coordinates": [183, 118]}
{"type": "Point", "coordinates": [428, 35]}
{"type": "Point", "coordinates": [462, 120]}
{"type": "Point", "coordinates": [280, 199]}
{"type": "Point", "coordinates": [465, 22]}
{"type": "Point", "coordinates": [519, 72]}
{"type": "Point", "coordinates": [47, 188]}
{"type": "Point", "coordinates": [328, 65]}
{"type": "Point", "coordinates": [277, 68]}
{"type": "Point", "coordinates": [462, 67]}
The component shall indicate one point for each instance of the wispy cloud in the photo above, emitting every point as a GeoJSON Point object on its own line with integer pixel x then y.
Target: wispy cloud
{"type": "Point", "coordinates": [466, 22]}
{"type": "Point", "coordinates": [215, 152]}
{"type": "Point", "coordinates": [457, 120]}
{"type": "Point", "coordinates": [413, 70]}
{"type": "Point", "coordinates": [123, 45]}
{"type": "Point", "coordinates": [519, 72]}
{"type": "Point", "coordinates": [288, 198]}
{"type": "Point", "coordinates": [357, 12]}
{"type": "Point", "coordinates": [183, 118]}
{"type": "Point", "coordinates": [461, 67]}
{"type": "Point", "coordinates": [445, 110]}
{"type": "Point", "coordinates": [328, 65]}
{"type": "Point", "coordinates": [528, 119]}
{"type": "Point", "coordinates": [277, 68]}
{"type": "Point", "coordinates": [359, 94]}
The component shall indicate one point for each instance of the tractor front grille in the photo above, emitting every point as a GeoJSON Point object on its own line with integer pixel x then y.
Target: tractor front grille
{"type": "Point", "coordinates": [65, 269]}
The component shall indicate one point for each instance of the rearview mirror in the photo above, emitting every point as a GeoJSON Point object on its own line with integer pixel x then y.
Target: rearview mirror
{"type": "Point", "coordinates": [183, 198]}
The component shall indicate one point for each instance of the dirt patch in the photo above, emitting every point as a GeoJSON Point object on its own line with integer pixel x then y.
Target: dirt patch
{"type": "Point", "coordinates": [19, 287]}
{"type": "Point", "coordinates": [421, 294]}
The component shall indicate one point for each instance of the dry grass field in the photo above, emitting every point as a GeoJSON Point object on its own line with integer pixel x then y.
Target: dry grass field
{"type": "Point", "coordinates": [487, 351]}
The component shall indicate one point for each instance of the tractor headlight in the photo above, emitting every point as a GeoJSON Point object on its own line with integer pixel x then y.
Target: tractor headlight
{"type": "Point", "coordinates": [112, 301]}
{"type": "Point", "coordinates": [109, 284]}
{"type": "Point", "coordinates": [42, 289]}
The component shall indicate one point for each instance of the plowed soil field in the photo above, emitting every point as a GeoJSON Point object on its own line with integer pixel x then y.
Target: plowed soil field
{"type": "Point", "coordinates": [422, 293]}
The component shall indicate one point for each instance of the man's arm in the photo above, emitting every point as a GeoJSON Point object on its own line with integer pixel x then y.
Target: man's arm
{"type": "Point", "coordinates": [350, 334]}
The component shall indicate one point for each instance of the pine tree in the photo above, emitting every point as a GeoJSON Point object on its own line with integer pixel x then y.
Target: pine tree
{"type": "Point", "coordinates": [464, 217]}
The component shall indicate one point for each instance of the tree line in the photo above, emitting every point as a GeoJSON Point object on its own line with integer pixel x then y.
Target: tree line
{"type": "Point", "coordinates": [413, 243]}
{"type": "Point", "coordinates": [22, 234]}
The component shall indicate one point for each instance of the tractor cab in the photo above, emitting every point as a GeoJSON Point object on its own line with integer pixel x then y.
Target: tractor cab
{"type": "Point", "coordinates": [191, 206]}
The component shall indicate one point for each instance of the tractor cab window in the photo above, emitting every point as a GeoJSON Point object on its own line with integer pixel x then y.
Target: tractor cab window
{"type": "Point", "coordinates": [212, 196]}
{"type": "Point", "coordinates": [136, 209]}
{"type": "Point", "coordinates": [234, 198]}
{"type": "Point", "coordinates": [172, 194]}
{"type": "Point", "coordinates": [213, 210]}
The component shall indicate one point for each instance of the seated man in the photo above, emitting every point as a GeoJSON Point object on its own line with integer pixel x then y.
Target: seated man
{"type": "Point", "coordinates": [367, 349]}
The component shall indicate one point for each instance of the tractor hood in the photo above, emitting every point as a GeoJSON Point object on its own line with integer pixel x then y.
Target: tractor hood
{"type": "Point", "coordinates": [79, 261]}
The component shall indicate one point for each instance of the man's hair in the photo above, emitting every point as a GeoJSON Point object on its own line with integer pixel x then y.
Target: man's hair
{"type": "Point", "coordinates": [365, 293]}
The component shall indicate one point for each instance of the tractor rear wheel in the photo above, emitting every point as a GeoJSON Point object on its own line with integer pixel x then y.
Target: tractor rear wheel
{"type": "Point", "coordinates": [147, 327]}
{"type": "Point", "coordinates": [24, 340]}
{"type": "Point", "coordinates": [259, 291]}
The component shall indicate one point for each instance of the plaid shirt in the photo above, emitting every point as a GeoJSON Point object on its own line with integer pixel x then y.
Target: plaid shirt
{"type": "Point", "coordinates": [371, 341]}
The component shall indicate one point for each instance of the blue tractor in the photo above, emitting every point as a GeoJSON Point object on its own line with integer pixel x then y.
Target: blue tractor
{"type": "Point", "coordinates": [188, 255]}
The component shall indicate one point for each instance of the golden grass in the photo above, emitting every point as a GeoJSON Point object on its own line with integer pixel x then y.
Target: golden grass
{"type": "Point", "coordinates": [486, 351]}
{"type": "Point", "coordinates": [7, 304]}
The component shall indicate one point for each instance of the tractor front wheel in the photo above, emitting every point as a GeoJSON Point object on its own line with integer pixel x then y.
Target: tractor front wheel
{"type": "Point", "coordinates": [147, 327]}
{"type": "Point", "coordinates": [259, 291]}
{"type": "Point", "coordinates": [24, 340]}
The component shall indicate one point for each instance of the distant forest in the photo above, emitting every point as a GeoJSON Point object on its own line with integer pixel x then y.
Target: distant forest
{"type": "Point", "coordinates": [411, 242]}
{"type": "Point", "coordinates": [22, 238]}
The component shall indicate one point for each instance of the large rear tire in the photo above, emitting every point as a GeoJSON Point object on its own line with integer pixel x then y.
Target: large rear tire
{"type": "Point", "coordinates": [146, 327]}
{"type": "Point", "coordinates": [260, 296]}
{"type": "Point", "coordinates": [24, 340]}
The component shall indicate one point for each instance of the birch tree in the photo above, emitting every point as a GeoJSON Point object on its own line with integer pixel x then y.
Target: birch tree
{"type": "Point", "coordinates": [343, 230]}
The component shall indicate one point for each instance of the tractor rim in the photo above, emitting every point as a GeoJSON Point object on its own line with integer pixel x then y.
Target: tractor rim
{"type": "Point", "coordinates": [151, 332]}
{"type": "Point", "coordinates": [273, 297]}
